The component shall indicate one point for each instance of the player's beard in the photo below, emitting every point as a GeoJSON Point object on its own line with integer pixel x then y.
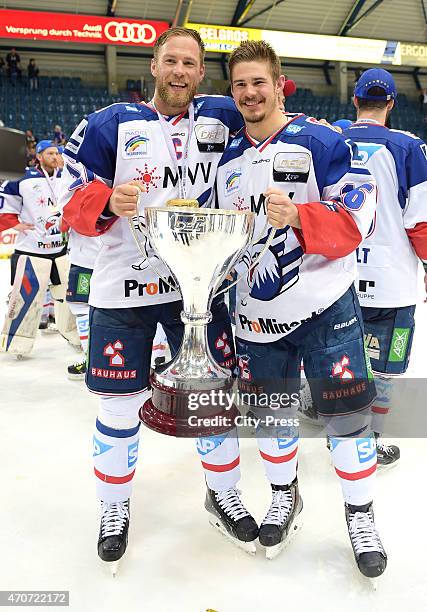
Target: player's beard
{"type": "Point", "coordinates": [176, 99]}
{"type": "Point", "coordinates": [259, 116]}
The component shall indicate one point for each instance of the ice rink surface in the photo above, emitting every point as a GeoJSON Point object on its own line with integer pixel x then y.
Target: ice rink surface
{"type": "Point", "coordinates": [176, 562]}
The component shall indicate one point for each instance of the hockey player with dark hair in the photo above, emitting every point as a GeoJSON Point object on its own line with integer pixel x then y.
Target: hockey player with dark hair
{"type": "Point", "coordinates": [300, 298]}
{"type": "Point", "coordinates": [387, 260]}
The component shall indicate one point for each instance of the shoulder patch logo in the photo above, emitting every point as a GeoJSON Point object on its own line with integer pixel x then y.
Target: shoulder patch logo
{"type": "Point", "coordinates": [136, 144]}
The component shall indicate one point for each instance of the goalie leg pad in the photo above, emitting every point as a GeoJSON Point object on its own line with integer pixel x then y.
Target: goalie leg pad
{"type": "Point", "coordinates": [64, 319]}
{"type": "Point", "coordinates": [25, 304]}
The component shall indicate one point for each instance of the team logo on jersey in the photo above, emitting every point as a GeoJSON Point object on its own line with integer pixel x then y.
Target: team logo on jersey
{"type": "Point", "coordinates": [341, 370]}
{"type": "Point", "coordinates": [210, 137]}
{"type": "Point", "coordinates": [136, 144]}
{"type": "Point", "coordinates": [51, 224]}
{"type": "Point", "coordinates": [291, 167]}
{"type": "Point", "coordinates": [232, 181]}
{"type": "Point", "coordinates": [277, 271]}
{"type": "Point", "coordinates": [148, 176]}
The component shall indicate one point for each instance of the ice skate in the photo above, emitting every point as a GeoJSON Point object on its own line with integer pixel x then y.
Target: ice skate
{"type": "Point", "coordinates": [230, 517]}
{"type": "Point", "coordinates": [387, 454]}
{"type": "Point", "coordinates": [282, 520]}
{"type": "Point", "coordinates": [113, 533]}
{"type": "Point", "coordinates": [368, 550]}
{"type": "Point", "coordinates": [77, 371]}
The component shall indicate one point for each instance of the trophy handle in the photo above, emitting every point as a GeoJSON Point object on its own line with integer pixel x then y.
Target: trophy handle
{"type": "Point", "coordinates": [260, 255]}
{"type": "Point", "coordinates": [145, 233]}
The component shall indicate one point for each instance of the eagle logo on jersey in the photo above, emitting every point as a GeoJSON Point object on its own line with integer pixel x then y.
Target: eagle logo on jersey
{"type": "Point", "coordinates": [277, 271]}
{"type": "Point", "coordinates": [51, 224]}
{"type": "Point", "coordinates": [149, 252]}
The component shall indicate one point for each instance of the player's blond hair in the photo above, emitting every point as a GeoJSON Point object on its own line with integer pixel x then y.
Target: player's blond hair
{"type": "Point", "coordinates": [256, 51]}
{"type": "Point", "coordinates": [178, 31]}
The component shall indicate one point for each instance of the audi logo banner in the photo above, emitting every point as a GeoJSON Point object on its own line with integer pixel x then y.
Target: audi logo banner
{"type": "Point", "coordinates": [80, 28]}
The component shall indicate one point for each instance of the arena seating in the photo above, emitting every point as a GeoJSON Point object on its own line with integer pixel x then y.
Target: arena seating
{"type": "Point", "coordinates": [406, 115]}
{"type": "Point", "coordinates": [59, 100]}
{"type": "Point", "coordinates": [64, 101]}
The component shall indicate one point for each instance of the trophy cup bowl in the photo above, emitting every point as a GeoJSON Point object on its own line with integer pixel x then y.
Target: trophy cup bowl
{"type": "Point", "coordinates": [200, 246]}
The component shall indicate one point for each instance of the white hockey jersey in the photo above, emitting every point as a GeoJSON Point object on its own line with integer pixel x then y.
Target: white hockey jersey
{"type": "Point", "coordinates": [33, 199]}
{"type": "Point", "coordinates": [388, 257]}
{"type": "Point", "coordinates": [83, 250]}
{"type": "Point", "coordinates": [126, 142]}
{"type": "Point", "coordinates": [304, 271]}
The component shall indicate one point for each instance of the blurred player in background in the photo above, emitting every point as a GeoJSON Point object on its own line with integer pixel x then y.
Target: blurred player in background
{"type": "Point", "coordinates": [82, 253]}
{"type": "Point", "coordinates": [29, 205]}
{"type": "Point", "coordinates": [388, 258]}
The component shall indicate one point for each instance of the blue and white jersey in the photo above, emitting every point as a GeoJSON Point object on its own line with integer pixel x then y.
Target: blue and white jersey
{"type": "Point", "coordinates": [387, 259]}
{"type": "Point", "coordinates": [304, 271]}
{"type": "Point", "coordinates": [126, 142]}
{"type": "Point", "coordinates": [33, 198]}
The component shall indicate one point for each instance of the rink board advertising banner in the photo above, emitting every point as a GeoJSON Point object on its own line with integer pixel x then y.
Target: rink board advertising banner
{"type": "Point", "coordinates": [64, 27]}
{"type": "Point", "coordinates": [223, 39]}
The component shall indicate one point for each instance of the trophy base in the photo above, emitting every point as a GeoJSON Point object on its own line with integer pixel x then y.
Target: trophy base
{"type": "Point", "coordinates": [174, 412]}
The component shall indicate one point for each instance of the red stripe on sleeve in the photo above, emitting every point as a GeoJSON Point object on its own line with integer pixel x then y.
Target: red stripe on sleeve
{"type": "Point", "coordinates": [326, 232]}
{"type": "Point", "coordinates": [418, 237]}
{"type": "Point", "coordinates": [8, 220]}
{"type": "Point", "coordinates": [85, 207]}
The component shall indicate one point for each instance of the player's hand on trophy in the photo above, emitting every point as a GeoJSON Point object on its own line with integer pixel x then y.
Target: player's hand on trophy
{"type": "Point", "coordinates": [280, 209]}
{"type": "Point", "coordinates": [124, 198]}
{"type": "Point", "coordinates": [23, 227]}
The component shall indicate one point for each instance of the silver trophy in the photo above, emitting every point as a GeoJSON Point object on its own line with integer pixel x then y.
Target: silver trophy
{"type": "Point", "coordinates": [200, 246]}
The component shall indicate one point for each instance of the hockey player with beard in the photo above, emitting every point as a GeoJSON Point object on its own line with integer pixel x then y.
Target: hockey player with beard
{"type": "Point", "coordinates": [30, 206]}
{"type": "Point", "coordinates": [300, 299]}
{"type": "Point", "coordinates": [169, 147]}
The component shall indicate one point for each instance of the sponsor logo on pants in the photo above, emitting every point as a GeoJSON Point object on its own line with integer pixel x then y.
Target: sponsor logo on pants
{"type": "Point", "coordinates": [399, 344]}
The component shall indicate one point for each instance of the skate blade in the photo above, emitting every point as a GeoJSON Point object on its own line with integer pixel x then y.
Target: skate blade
{"type": "Point", "coordinates": [75, 376]}
{"type": "Point", "coordinates": [247, 547]}
{"type": "Point", "coordinates": [381, 468]}
{"type": "Point", "coordinates": [271, 552]}
{"type": "Point", "coordinates": [111, 566]}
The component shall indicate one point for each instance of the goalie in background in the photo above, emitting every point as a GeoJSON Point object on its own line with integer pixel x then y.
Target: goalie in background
{"type": "Point", "coordinates": [29, 205]}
